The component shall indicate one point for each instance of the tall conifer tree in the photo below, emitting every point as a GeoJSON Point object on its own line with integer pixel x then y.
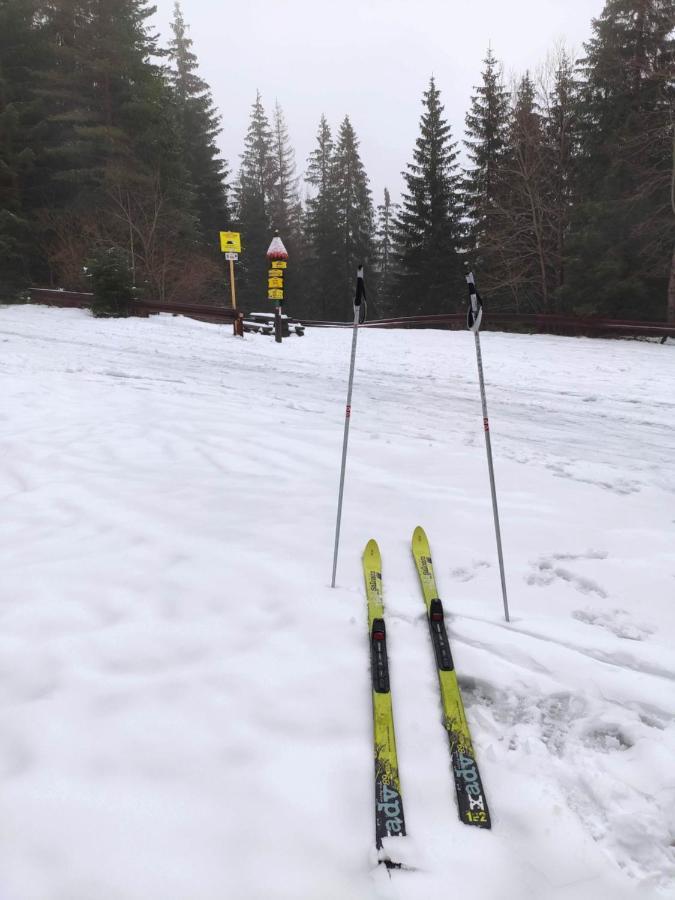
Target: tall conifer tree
{"type": "Point", "coordinates": [384, 255]}
{"type": "Point", "coordinates": [354, 209]}
{"type": "Point", "coordinates": [255, 191]}
{"type": "Point", "coordinates": [484, 183]}
{"type": "Point", "coordinates": [428, 230]}
{"type": "Point", "coordinates": [322, 228]}
{"type": "Point", "coordinates": [21, 50]}
{"type": "Point", "coordinates": [199, 127]}
{"type": "Point", "coordinates": [621, 251]}
{"type": "Point", "coordinates": [107, 104]}
{"type": "Point", "coordinates": [109, 139]}
{"type": "Point", "coordinates": [524, 207]}
{"type": "Point", "coordinates": [286, 213]}
{"type": "Point", "coordinates": [285, 208]}
{"type": "Point", "coordinates": [561, 143]}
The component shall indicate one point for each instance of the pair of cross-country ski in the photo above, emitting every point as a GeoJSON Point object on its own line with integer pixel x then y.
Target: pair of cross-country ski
{"type": "Point", "coordinates": [471, 802]}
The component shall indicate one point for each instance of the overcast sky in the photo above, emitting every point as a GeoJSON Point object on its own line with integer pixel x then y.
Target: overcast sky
{"type": "Point", "coordinates": [370, 59]}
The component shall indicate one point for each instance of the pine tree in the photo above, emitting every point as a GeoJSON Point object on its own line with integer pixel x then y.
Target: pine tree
{"type": "Point", "coordinates": [199, 127]}
{"type": "Point", "coordinates": [623, 232]}
{"type": "Point", "coordinates": [20, 51]}
{"type": "Point", "coordinates": [285, 208]}
{"type": "Point", "coordinates": [486, 142]}
{"type": "Point", "coordinates": [109, 136]}
{"type": "Point", "coordinates": [286, 213]}
{"type": "Point", "coordinates": [384, 255]}
{"type": "Point", "coordinates": [322, 228]}
{"type": "Point", "coordinates": [102, 91]}
{"type": "Point", "coordinates": [354, 210]}
{"type": "Point", "coordinates": [428, 231]}
{"type": "Point", "coordinates": [524, 206]}
{"type": "Point", "coordinates": [561, 148]}
{"type": "Point", "coordinates": [255, 191]}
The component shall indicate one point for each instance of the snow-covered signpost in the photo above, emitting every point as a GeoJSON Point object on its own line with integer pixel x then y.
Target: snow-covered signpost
{"type": "Point", "coordinates": [230, 245]}
{"type": "Point", "coordinates": [359, 317]}
{"type": "Point", "coordinates": [473, 319]}
{"type": "Point", "coordinates": [278, 258]}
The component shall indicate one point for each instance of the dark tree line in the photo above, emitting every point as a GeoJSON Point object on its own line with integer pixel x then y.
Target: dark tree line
{"type": "Point", "coordinates": [106, 140]}
{"type": "Point", "coordinates": [559, 193]}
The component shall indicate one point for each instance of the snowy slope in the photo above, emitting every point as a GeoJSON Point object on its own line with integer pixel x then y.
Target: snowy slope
{"type": "Point", "coordinates": [186, 702]}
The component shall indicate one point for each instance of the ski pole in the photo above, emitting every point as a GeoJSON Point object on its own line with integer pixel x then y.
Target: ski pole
{"type": "Point", "coordinates": [360, 296]}
{"type": "Point", "coordinates": [474, 316]}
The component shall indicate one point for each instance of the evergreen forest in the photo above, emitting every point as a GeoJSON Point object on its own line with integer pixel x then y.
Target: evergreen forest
{"type": "Point", "coordinates": [559, 191]}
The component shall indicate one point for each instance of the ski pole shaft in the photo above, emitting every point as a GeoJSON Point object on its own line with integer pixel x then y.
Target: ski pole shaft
{"type": "Point", "coordinates": [360, 295]}
{"type": "Point", "coordinates": [474, 317]}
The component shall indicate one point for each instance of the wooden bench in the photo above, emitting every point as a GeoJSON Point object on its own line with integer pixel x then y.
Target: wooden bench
{"type": "Point", "coordinates": [288, 325]}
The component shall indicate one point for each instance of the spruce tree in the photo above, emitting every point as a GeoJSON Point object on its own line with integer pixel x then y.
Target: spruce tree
{"type": "Point", "coordinates": [199, 127]}
{"type": "Point", "coordinates": [561, 148]}
{"type": "Point", "coordinates": [354, 211]}
{"type": "Point", "coordinates": [103, 92]}
{"type": "Point", "coordinates": [109, 140]}
{"type": "Point", "coordinates": [484, 182]}
{"type": "Point", "coordinates": [255, 190]}
{"type": "Point", "coordinates": [623, 230]}
{"type": "Point", "coordinates": [428, 229]}
{"type": "Point", "coordinates": [286, 213]}
{"type": "Point", "coordinates": [384, 255]}
{"type": "Point", "coordinates": [285, 208]}
{"type": "Point", "coordinates": [524, 206]}
{"type": "Point", "coordinates": [20, 51]}
{"type": "Point", "coordinates": [322, 229]}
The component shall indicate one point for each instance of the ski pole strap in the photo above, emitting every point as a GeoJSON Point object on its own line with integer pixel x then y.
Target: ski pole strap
{"type": "Point", "coordinates": [474, 313]}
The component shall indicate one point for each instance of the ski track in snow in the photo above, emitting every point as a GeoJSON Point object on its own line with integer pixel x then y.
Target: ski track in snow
{"type": "Point", "coordinates": [185, 703]}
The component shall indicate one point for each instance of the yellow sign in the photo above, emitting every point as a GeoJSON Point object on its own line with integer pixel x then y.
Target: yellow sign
{"type": "Point", "coordinates": [275, 273]}
{"type": "Point", "coordinates": [278, 264]}
{"type": "Point", "coordinates": [275, 295]}
{"type": "Point", "coordinates": [275, 282]}
{"type": "Point", "coordinates": [230, 242]}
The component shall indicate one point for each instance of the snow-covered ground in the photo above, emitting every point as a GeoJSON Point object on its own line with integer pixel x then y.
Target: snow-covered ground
{"type": "Point", "coordinates": [186, 709]}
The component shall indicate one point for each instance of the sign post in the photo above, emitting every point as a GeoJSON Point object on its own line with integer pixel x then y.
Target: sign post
{"type": "Point", "coordinates": [230, 245]}
{"type": "Point", "coordinates": [278, 259]}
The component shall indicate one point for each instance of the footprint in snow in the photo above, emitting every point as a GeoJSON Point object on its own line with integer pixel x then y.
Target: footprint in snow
{"type": "Point", "coordinates": [621, 486]}
{"type": "Point", "coordinates": [547, 572]}
{"type": "Point", "coordinates": [551, 715]}
{"type": "Point", "coordinates": [562, 721]}
{"type": "Point", "coordinates": [607, 739]}
{"type": "Point", "coordinates": [463, 574]}
{"type": "Point", "coordinates": [617, 621]}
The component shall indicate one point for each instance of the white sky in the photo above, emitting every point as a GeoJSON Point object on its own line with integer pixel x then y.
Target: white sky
{"type": "Point", "coordinates": [371, 59]}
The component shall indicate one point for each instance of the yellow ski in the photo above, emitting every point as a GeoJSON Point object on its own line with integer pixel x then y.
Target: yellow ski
{"type": "Point", "coordinates": [473, 808]}
{"type": "Point", "coordinates": [389, 819]}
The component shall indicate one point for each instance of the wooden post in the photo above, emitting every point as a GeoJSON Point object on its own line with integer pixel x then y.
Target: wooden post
{"type": "Point", "coordinates": [237, 324]}
{"type": "Point", "coordinates": [277, 257]}
{"type": "Point", "coordinates": [277, 323]}
{"type": "Point", "coordinates": [230, 245]}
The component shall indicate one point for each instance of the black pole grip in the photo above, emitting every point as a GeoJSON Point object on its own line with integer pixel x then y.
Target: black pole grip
{"type": "Point", "coordinates": [360, 287]}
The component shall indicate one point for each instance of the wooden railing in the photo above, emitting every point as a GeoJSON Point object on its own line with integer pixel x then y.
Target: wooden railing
{"type": "Point", "coordinates": [495, 321]}
{"type": "Point", "coordinates": [142, 308]}
{"type": "Point", "coordinates": [539, 323]}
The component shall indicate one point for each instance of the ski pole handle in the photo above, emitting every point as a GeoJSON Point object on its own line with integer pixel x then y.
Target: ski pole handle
{"type": "Point", "coordinates": [360, 298]}
{"type": "Point", "coordinates": [474, 313]}
{"type": "Point", "coordinates": [360, 289]}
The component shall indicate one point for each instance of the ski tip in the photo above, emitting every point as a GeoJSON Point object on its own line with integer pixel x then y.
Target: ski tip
{"type": "Point", "coordinates": [371, 551]}
{"type": "Point", "coordinates": [419, 534]}
{"type": "Point", "coordinates": [420, 543]}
